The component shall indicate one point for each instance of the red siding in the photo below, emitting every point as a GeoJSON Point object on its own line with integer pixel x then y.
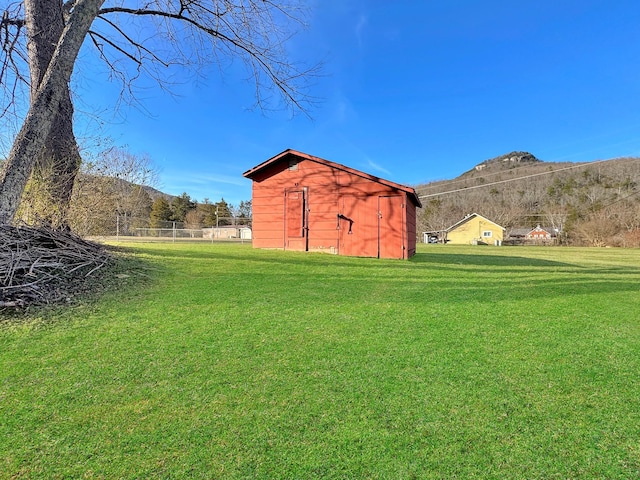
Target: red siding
{"type": "Point", "coordinates": [302, 204]}
{"type": "Point", "coordinates": [412, 233]}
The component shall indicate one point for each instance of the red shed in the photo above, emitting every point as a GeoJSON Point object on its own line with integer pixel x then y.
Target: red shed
{"type": "Point", "coordinates": [305, 203]}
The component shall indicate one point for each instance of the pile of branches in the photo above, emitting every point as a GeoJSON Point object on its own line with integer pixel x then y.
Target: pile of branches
{"type": "Point", "coordinates": [40, 266]}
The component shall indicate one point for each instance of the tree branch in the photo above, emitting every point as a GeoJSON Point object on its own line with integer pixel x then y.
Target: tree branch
{"type": "Point", "coordinates": [13, 59]}
{"type": "Point", "coordinates": [137, 45]}
{"type": "Point", "coordinates": [104, 57]}
{"type": "Point", "coordinates": [250, 32]}
{"type": "Point", "coordinates": [95, 35]}
{"type": "Point", "coordinates": [67, 7]}
{"type": "Point", "coordinates": [12, 15]}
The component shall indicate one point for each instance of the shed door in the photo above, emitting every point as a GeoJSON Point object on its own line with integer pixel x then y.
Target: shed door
{"type": "Point", "coordinates": [295, 219]}
{"type": "Point", "coordinates": [358, 226]}
{"type": "Point", "coordinates": [348, 226]}
{"type": "Point", "coordinates": [391, 227]}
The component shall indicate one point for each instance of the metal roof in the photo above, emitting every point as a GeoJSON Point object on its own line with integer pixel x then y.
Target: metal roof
{"type": "Point", "coordinates": [411, 193]}
{"type": "Point", "coordinates": [469, 217]}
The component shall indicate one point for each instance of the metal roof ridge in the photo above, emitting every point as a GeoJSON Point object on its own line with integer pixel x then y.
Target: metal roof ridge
{"type": "Point", "coordinates": [313, 158]}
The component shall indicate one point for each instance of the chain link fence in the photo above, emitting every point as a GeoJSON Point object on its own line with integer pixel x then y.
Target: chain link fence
{"type": "Point", "coordinates": [238, 230]}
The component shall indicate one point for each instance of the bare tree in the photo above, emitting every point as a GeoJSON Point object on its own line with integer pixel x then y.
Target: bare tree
{"type": "Point", "coordinates": [41, 39]}
{"type": "Point", "coordinates": [47, 102]}
{"type": "Point", "coordinates": [597, 231]}
{"type": "Point", "coordinates": [110, 195]}
{"type": "Point", "coordinates": [194, 219]}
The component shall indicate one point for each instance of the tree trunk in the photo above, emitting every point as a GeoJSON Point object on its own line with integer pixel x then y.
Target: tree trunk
{"type": "Point", "coordinates": [48, 102]}
{"type": "Point", "coordinates": [57, 165]}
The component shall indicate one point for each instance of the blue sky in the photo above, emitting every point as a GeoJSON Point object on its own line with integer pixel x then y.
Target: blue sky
{"type": "Point", "coordinates": [412, 91]}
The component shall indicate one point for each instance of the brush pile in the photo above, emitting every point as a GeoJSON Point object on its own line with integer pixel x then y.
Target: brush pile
{"type": "Point", "coordinates": [40, 266]}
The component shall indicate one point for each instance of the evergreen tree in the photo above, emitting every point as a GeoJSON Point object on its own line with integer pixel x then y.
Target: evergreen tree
{"type": "Point", "coordinates": [208, 211]}
{"type": "Point", "coordinates": [180, 206]}
{"type": "Point", "coordinates": [160, 213]}
{"type": "Point", "coordinates": [224, 213]}
{"type": "Point", "coordinates": [244, 210]}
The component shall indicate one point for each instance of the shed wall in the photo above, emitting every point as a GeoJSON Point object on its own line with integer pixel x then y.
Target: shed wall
{"type": "Point", "coordinates": [412, 228]}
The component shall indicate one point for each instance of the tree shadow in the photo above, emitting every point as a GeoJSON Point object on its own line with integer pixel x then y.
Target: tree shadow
{"type": "Point", "coordinates": [426, 277]}
{"type": "Point", "coordinates": [484, 260]}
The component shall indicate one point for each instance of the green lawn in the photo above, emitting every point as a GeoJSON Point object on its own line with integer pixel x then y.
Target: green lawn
{"type": "Point", "coordinates": [229, 362]}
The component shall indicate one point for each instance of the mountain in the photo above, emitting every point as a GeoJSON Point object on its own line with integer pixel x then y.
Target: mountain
{"type": "Point", "coordinates": [593, 203]}
{"type": "Point", "coordinates": [507, 161]}
{"type": "Point", "coordinates": [154, 194]}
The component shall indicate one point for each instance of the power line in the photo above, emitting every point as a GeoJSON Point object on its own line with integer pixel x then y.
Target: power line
{"type": "Point", "coordinates": [524, 177]}
{"type": "Point", "coordinates": [486, 175]}
{"type": "Point", "coordinates": [622, 198]}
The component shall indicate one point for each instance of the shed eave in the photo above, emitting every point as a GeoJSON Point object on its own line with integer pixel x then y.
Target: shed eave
{"type": "Point", "coordinates": [411, 193]}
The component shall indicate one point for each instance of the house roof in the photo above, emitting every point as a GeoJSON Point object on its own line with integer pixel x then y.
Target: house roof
{"type": "Point", "coordinates": [287, 154]}
{"type": "Point", "coordinates": [519, 232]}
{"type": "Point", "coordinates": [469, 217]}
{"type": "Point", "coordinates": [523, 232]}
{"type": "Point", "coordinates": [551, 231]}
{"type": "Point", "coordinates": [540, 229]}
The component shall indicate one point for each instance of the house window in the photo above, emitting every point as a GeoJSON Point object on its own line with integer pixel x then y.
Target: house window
{"type": "Point", "coordinates": [487, 234]}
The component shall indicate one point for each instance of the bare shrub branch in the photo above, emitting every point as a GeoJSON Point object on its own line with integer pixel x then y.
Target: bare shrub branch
{"type": "Point", "coordinates": [14, 78]}
{"type": "Point", "coordinates": [39, 266]}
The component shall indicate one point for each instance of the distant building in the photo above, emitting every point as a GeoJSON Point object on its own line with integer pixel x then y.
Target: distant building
{"type": "Point", "coordinates": [474, 229]}
{"type": "Point", "coordinates": [539, 233]}
{"type": "Point", "coordinates": [226, 232]}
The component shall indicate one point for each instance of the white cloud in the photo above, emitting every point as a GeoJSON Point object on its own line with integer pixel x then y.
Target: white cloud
{"type": "Point", "coordinates": [198, 186]}
{"type": "Point", "coordinates": [194, 178]}
{"type": "Point", "coordinates": [373, 165]}
{"type": "Point", "coordinates": [359, 29]}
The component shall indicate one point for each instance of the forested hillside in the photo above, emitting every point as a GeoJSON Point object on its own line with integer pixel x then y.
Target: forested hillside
{"type": "Point", "coordinates": [595, 203]}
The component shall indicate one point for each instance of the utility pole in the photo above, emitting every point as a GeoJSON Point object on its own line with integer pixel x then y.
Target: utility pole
{"type": "Point", "coordinates": [217, 231]}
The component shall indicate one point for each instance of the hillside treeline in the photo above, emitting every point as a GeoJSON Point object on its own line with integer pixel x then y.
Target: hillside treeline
{"type": "Point", "coordinates": [114, 194]}
{"type": "Point", "coordinates": [595, 204]}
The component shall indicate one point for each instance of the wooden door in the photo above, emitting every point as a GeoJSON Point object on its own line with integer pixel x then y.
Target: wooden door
{"type": "Point", "coordinates": [295, 219]}
{"type": "Point", "coordinates": [358, 226]}
{"type": "Point", "coordinates": [391, 227]}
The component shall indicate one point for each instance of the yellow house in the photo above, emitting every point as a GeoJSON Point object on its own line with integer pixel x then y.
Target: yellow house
{"type": "Point", "coordinates": [475, 229]}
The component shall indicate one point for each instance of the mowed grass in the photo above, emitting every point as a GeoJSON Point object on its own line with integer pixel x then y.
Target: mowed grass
{"type": "Point", "coordinates": [229, 362]}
